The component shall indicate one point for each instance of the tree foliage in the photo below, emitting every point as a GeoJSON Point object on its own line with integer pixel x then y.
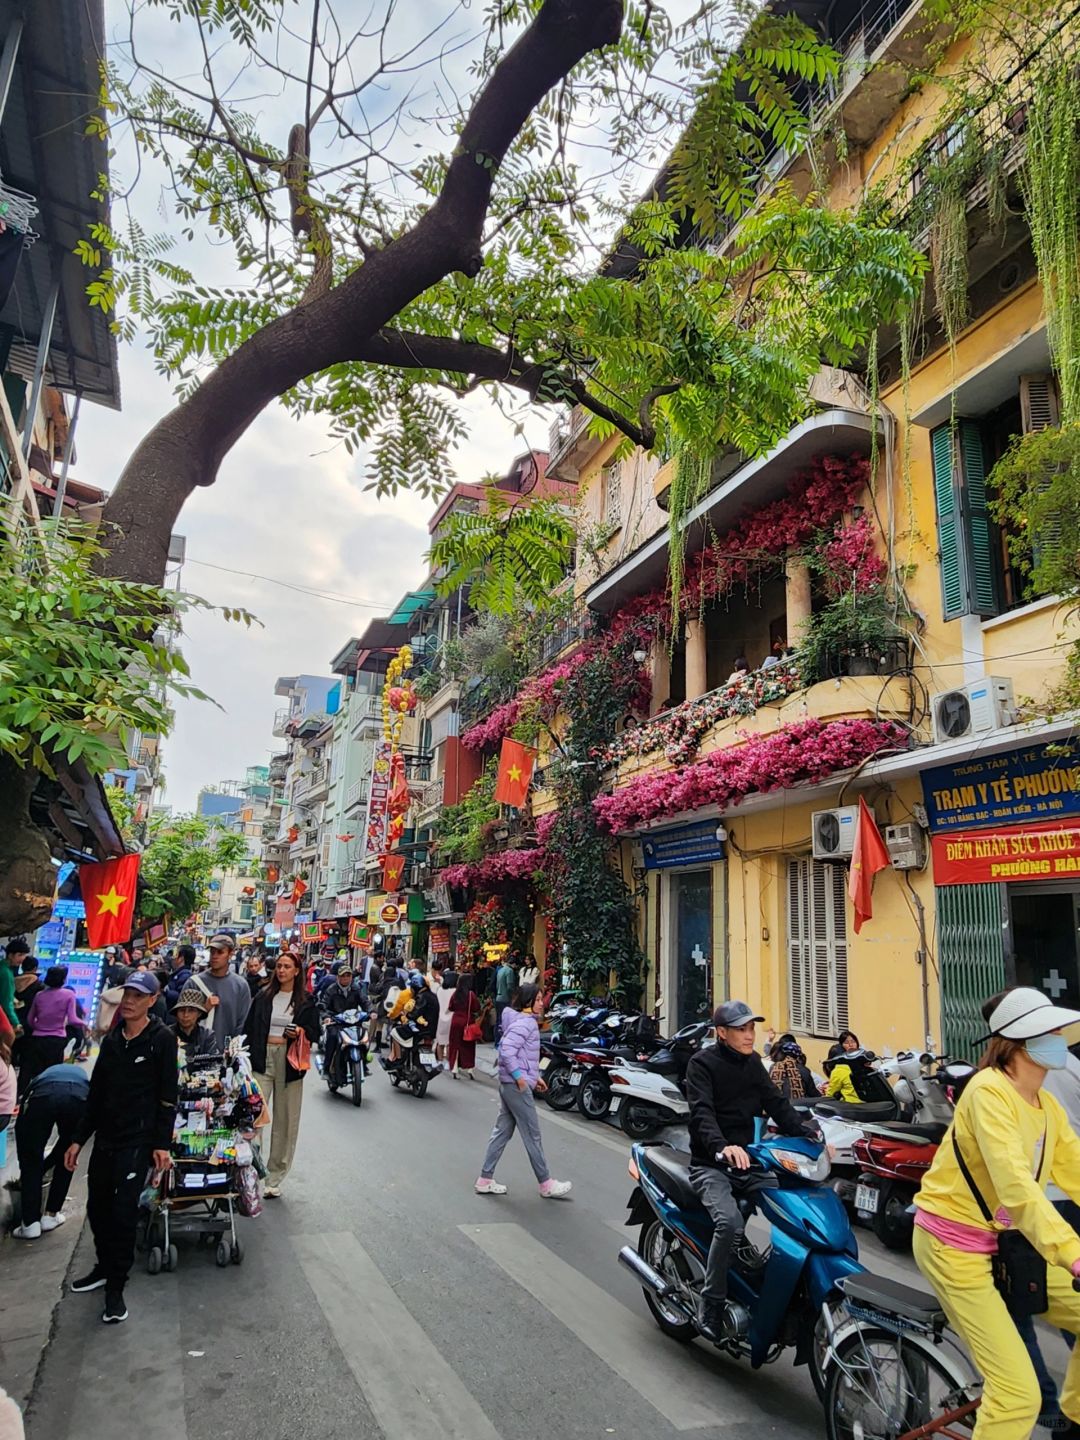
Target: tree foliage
{"type": "Point", "coordinates": [509, 554]}
{"type": "Point", "coordinates": [179, 861]}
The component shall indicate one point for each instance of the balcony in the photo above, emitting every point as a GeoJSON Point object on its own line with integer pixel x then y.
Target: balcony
{"type": "Point", "coordinates": [280, 727]}
{"type": "Point", "coordinates": [364, 710]}
{"type": "Point", "coordinates": [311, 782]}
{"type": "Point", "coordinates": [568, 631]}
{"type": "Point", "coordinates": [357, 795]}
{"type": "Point", "coordinates": [570, 444]}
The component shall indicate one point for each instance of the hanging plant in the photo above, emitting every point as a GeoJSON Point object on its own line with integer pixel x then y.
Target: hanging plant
{"type": "Point", "coordinates": [1035, 490]}
{"type": "Point", "coordinates": [690, 483]}
{"type": "Point", "coordinates": [1050, 182]}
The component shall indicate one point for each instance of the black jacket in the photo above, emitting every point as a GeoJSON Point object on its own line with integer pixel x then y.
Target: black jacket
{"type": "Point", "coordinates": [334, 999]}
{"type": "Point", "coordinates": [201, 1041]}
{"type": "Point", "coordinates": [727, 1092]}
{"type": "Point", "coordinates": [132, 1097]}
{"type": "Point", "coordinates": [425, 1013]}
{"type": "Point", "coordinates": [257, 1028]}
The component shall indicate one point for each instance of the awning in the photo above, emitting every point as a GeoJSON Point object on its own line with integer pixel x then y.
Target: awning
{"type": "Point", "coordinates": [407, 607]}
{"type": "Point", "coordinates": [326, 908]}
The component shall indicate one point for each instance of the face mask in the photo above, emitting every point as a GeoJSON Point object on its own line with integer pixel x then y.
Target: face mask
{"type": "Point", "coordinates": [1049, 1051]}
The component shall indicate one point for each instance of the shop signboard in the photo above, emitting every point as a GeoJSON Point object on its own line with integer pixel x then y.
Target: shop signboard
{"type": "Point", "coordinates": [84, 969]}
{"type": "Point", "coordinates": [694, 844]}
{"type": "Point", "coordinates": [390, 914]}
{"type": "Point", "coordinates": [1022, 852]}
{"type": "Point", "coordinates": [439, 939]}
{"type": "Point", "coordinates": [378, 794]}
{"type": "Point", "coordinates": [1038, 785]}
{"type": "Point", "coordinates": [284, 915]}
{"type": "Point", "coordinates": [311, 931]}
{"type": "Point", "coordinates": [359, 934]}
{"type": "Point", "coordinates": [375, 904]}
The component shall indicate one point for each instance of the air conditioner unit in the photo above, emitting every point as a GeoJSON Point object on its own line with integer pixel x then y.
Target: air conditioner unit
{"type": "Point", "coordinates": [906, 845]}
{"type": "Point", "coordinates": [834, 832]}
{"type": "Point", "coordinates": [986, 704]}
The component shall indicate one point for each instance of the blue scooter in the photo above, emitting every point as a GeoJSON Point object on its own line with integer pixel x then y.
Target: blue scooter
{"type": "Point", "coordinates": [786, 1289]}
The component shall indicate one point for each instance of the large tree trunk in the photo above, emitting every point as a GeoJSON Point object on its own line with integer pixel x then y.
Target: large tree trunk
{"type": "Point", "coordinates": [186, 448]}
{"type": "Point", "coordinates": [27, 874]}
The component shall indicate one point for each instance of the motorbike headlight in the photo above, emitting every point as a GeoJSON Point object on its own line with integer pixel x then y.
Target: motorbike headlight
{"type": "Point", "coordinates": [807, 1168]}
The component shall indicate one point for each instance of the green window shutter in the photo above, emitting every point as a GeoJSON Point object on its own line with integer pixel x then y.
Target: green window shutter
{"type": "Point", "coordinates": [946, 503]}
{"type": "Point", "coordinates": [965, 539]}
{"type": "Point", "coordinates": [982, 587]}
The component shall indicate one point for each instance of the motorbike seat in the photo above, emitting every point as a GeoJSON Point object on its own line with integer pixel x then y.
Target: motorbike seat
{"type": "Point", "coordinates": [856, 1110]}
{"type": "Point", "coordinates": [671, 1171]}
{"type": "Point", "coordinates": [878, 1292]}
{"type": "Point", "coordinates": [932, 1130]}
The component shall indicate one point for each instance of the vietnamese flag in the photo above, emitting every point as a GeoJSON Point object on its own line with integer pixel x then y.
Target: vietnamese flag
{"type": "Point", "coordinates": [299, 889]}
{"type": "Point", "coordinates": [515, 773]}
{"type": "Point", "coordinates": [392, 870]}
{"type": "Point", "coordinates": [108, 892]}
{"type": "Point", "coordinates": [867, 858]}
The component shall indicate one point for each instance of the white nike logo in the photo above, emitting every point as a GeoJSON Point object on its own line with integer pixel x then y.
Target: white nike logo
{"type": "Point", "coordinates": [139, 1059]}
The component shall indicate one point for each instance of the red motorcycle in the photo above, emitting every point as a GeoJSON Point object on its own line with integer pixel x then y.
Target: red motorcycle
{"type": "Point", "coordinates": [892, 1160]}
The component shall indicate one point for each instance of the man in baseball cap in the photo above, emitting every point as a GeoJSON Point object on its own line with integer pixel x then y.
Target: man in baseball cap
{"type": "Point", "coordinates": [130, 1112]}
{"type": "Point", "coordinates": [728, 1088]}
{"type": "Point", "coordinates": [227, 992]}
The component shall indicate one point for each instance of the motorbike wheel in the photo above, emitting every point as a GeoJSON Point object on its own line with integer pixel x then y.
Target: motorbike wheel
{"type": "Point", "coordinates": [892, 1224]}
{"type": "Point", "coordinates": [418, 1084]}
{"type": "Point", "coordinates": [331, 1085]}
{"type": "Point", "coordinates": [639, 1122]}
{"type": "Point", "coordinates": [357, 1085]}
{"type": "Point", "coordinates": [819, 1347]}
{"type": "Point", "coordinates": [594, 1097]}
{"type": "Point", "coordinates": [560, 1093]}
{"type": "Point", "coordinates": [653, 1247]}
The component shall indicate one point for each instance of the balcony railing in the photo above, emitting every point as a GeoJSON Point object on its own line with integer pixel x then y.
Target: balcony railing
{"type": "Point", "coordinates": [357, 795]}
{"type": "Point", "coordinates": [311, 781]}
{"type": "Point", "coordinates": [366, 710]}
{"type": "Point", "coordinates": [281, 721]}
{"type": "Point", "coordinates": [574, 626]}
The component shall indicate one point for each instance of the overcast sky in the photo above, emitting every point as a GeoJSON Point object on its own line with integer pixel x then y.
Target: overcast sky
{"type": "Point", "coordinates": [286, 504]}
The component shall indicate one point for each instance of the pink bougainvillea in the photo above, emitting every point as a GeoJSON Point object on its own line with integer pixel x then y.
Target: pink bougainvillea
{"type": "Point", "coordinates": [493, 727]}
{"type": "Point", "coordinates": [804, 753]}
{"type": "Point", "coordinates": [851, 561]}
{"type": "Point", "coordinates": [494, 869]}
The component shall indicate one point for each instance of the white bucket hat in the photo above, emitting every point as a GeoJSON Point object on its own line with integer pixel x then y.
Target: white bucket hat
{"type": "Point", "coordinates": [1026, 1012]}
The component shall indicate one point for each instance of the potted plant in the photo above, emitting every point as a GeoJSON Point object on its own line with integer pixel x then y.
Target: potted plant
{"type": "Point", "coordinates": [854, 634]}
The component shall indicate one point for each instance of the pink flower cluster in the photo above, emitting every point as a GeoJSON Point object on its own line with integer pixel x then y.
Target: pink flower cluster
{"type": "Point", "coordinates": [539, 696]}
{"type": "Point", "coordinates": [493, 727]}
{"type": "Point", "coordinates": [679, 732]}
{"type": "Point", "coordinates": [494, 870]}
{"type": "Point", "coordinates": [803, 753]}
{"type": "Point", "coordinates": [851, 559]}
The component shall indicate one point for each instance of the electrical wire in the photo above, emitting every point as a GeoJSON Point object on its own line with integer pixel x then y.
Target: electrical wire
{"type": "Point", "coordinates": [333, 595]}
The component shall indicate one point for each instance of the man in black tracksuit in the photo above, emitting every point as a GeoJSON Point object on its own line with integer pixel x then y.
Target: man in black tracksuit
{"type": "Point", "coordinates": [728, 1088]}
{"type": "Point", "coordinates": [129, 1112]}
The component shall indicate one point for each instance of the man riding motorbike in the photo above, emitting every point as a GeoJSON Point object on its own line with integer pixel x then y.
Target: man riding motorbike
{"type": "Point", "coordinates": [343, 993]}
{"type": "Point", "coordinates": [728, 1088]}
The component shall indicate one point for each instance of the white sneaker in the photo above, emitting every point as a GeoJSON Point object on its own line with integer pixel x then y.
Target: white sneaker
{"type": "Point", "coordinates": [489, 1187]}
{"type": "Point", "coordinates": [271, 1192]}
{"type": "Point", "coordinates": [555, 1189]}
{"type": "Point", "coordinates": [28, 1232]}
{"type": "Point", "coordinates": [50, 1222]}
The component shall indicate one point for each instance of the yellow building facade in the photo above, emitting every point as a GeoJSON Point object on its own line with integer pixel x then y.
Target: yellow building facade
{"type": "Point", "coordinates": [741, 900]}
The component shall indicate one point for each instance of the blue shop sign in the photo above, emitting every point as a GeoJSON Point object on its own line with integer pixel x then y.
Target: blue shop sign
{"type": "Point", "coordinates": [1020, 787]}
{"type": "Point", "coordinates": [68, 910]}
{"type": "Point", "coordinates": [683, 845]}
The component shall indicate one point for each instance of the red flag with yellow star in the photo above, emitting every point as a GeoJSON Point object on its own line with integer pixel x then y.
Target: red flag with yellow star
{"type": "Point", "coordinates": [515, 773]}
{"type": "Point", "coordinates": [108, 892]}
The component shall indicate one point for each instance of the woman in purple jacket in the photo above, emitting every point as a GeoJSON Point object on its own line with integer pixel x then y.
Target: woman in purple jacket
{"type": "Point", "coordinates": [519, 1076]}
{"type": "Point", "coordinates": [51, 1011]}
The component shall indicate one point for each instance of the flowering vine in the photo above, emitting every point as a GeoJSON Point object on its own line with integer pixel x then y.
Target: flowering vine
{"type": "Point", "coordinates": [494, 870]}
{"type": "Point", "coordinates": [804, 753]}
{"type": "Point", "coordinates": [849, 561]}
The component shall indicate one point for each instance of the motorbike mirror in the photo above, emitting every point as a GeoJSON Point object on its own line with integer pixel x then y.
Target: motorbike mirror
{"type": "Point", "coordinates": [887, 1053]}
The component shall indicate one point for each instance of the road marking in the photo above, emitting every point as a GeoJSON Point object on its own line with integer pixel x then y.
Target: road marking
{"type": "Point", "coordinates": [675, 1381]}
{"type": "Point", "coordinates": [376, 1333]}
{"type": "Point", "coordinates": [587, 1129]}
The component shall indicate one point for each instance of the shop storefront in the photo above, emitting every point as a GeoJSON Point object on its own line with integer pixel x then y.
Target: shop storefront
{"type": "Point", "coordinates": [686, 870]}
{"type": "Point", "coordinates": [1005, 841]}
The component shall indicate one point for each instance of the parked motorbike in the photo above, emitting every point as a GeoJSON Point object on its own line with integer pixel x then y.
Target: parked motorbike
{"type": "Point", "coordinates": [894, 1157]}
{"type": "Point", "coordinates": [346, 1067]}
{"type": "Point", "coordinates": [417, 1067]}
{"type": "Point", "coordinates": [623, 1038]}
{"type": "Point", "coordinates": [785, 1290]}
{"type": "Point", "coordinates": [648, 1095]}
{"type": "Point", "coordinates": [578, 1024]}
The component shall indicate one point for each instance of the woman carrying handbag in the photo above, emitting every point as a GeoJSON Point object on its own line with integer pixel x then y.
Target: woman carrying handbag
{"type": "Point", "coordinates": [464, 1027]}
{"type": "Point", "coordinates": [281, 1025]}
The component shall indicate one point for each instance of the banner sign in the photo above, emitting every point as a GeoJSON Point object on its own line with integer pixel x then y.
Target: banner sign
{"type": "Point", "coordinates": [284, 914]}
{"type": "Point", "coordinates": [1021, 787]}
{"type": "Point", "coordinates": [352, 903]}
{"type": "Point", "coordinates": [1026, 852]}
{"type": "Point", "coordinates": [378, 794]}
{"type": "Point", "coordinates": [359, 934]}
{"type": "Point", "coordinates": [439, 939]}
{"type": "Point", "coordinates": [310, 931]}
{"type": "Point", "coordinates": [84, 969]}
{"type": "Point", "coordinates": [683, 845]}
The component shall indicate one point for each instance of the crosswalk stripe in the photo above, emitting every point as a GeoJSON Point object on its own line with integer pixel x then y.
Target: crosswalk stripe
{"type": "Point", "coordinates": [675, 1381]}
{"type": "Point", "coordinates": [375, 1330]}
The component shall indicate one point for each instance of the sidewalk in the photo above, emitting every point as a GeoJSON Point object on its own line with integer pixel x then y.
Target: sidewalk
{"type": "Point", "coordinates": [34, 1272]}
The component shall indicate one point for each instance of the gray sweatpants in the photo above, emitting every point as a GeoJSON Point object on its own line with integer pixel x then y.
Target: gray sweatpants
{"type": "Point", "coordinates": [516, 1108]}
{"type": "Point", "coordinates": [714, 1187]}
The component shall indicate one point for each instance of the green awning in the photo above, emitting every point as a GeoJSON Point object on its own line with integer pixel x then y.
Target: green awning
{"type": "Point", "coordinates": [413, 601]}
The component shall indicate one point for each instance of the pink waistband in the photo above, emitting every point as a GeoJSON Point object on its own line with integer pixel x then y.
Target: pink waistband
{"type": "Point", "coordinates": [956, 1234]}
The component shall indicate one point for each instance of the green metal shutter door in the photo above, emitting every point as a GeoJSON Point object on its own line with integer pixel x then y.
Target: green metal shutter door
{"type": "Point", "coordinates": [982, 598]}
{"type": "Point", "coordinates": [953, 595]}
{"type": "Point", "coordinates": [971, 953]}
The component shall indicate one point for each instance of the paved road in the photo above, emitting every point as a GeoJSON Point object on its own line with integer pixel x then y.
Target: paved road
{"type": "Point", "coordinates": [380, 1299]}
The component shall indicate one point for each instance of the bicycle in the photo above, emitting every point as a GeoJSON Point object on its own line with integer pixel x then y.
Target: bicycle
{"type": "Point", "coordinates": [894, 1370]}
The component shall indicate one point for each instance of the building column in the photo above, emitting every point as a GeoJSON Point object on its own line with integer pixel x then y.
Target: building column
{"type": "Point", "coordinates": [697, 674]}
{"type": "Point", "coordinates": [797, 597]}
{"type": "Point", "coordinates": [660, 665]}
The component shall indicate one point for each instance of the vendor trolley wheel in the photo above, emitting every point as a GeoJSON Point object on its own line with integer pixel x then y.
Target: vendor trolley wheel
{"type": "Point", "coordinates": [223, 1253]}
{"type": "Point", "coordinates": [237, 1252]}
{"type": "Point", "coordinates": [153, 1260]}
{"type": "Point", "coordinates": [172, 1257]}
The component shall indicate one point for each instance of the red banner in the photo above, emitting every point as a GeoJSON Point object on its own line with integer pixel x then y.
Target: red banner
{"type": "Point", "coordinates": [284, 914]}
{"type": "Point", "coordinates": [1022, 852]}
{"type": "Point", "coordinates": [108, 891]}
{"type": "Point", "coordinates": [358, 933]}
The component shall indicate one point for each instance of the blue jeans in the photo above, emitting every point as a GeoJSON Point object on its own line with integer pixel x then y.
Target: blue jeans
{"type": "Point", "coordinates": [1025, 1324]}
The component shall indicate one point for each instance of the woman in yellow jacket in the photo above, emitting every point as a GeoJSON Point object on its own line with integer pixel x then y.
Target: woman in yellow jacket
{"type": "Point", "coordinates": [1009, 1131]}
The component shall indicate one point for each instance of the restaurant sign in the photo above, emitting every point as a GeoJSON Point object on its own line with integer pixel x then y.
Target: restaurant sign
{"type": "Point", "coordinates": [1024, 852]}
{"type": "Point", "coordinates": [1035, 786]}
